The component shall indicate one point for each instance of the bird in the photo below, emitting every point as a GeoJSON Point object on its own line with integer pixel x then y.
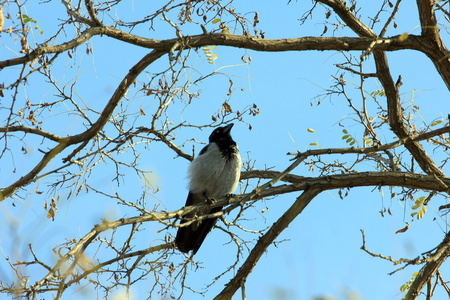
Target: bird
{"type": "Point", "coordinates": [213, 174]}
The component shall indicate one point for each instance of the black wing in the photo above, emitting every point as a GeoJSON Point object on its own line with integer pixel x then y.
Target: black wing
{"type": "Point", "coordinates": [203, 150]}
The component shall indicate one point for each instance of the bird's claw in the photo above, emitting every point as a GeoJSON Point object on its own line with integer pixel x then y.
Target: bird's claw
{"type": "Point", "coordinates": [210, 200]}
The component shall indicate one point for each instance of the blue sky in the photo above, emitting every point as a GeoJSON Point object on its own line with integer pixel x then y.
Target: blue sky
{"type": "Point", "coordinates": [320, 254]}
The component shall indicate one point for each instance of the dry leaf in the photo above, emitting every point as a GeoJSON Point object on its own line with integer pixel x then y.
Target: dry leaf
{"type": "Point", "coordinates": [51, 214]}
{"type": "Point", "coordinates": [227, 107]}
{"type": "Point", "coordinates": [2, 19]}
{"type": "Point", "coordinates": [403, 229]}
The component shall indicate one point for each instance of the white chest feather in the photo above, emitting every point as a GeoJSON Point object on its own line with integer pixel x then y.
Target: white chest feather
{"type": "Point", "coordinates": [213, 174]}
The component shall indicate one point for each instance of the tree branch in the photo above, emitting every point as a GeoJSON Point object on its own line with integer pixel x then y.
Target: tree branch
{"type": "Point", "coordinates": [395, 115]}
{"type": "Point", "coordinates": [263, 243]}
{"type": "Point", "coordinates": [311, 187]}
{"type": "Point", "coordinates": [91, 131]}
{"type": "Point", "coordinates": [433, 45]}
{"type": "Point", "coordinates": [231, 40]}
{"type": "Point", "coordinates": [26, 129]}
{"type": "Point", "coordinates": [391, 89]}
{"type": "Point", "coordinates": [429, 269]}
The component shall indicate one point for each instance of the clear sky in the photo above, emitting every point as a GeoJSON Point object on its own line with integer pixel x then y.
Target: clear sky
{"type": "Point", "coordinates": [319, 254]}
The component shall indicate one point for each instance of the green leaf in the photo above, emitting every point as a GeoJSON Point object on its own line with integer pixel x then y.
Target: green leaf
{"type": "Point", "coordinates": [345, 137]}
{"type": "Point", "coordinates": [345, 131]}
{"type": "Point", "coordinates": [26, 19]}
{"type": "Point", "coordinates": [436, 122]}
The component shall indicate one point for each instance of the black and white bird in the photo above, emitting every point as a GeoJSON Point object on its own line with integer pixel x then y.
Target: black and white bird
{"type": "Point", "coordinates": [213, 174]}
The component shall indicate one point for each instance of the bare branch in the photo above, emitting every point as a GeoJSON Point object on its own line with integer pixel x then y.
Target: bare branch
{"type": "Point", "coordinates": [91, 131]}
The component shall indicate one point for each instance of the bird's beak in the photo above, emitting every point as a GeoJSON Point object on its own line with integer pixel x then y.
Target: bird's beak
{"type": "Point", "coordinates": [227, 128]}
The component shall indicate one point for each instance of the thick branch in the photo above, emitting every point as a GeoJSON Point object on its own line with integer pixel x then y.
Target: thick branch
{"type": "Point", "coordinates": [349, 18]}
{"type": "Point", "coordinates": [231, 40]}
{"type": "Point", "coordinates": [265, 241]}
{"type": "Point", "coordinates": [396, 116]}
{"type": "Point", "coordinates": [432, 43]}
{"type": "Point", "coordinates": [407, 180]}
{"type": "Point", "coordinates": [429, 269]}
{"type": "Point", "coordinates": [428, 20]}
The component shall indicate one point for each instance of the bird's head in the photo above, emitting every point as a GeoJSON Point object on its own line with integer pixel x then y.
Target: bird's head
{"type": "Point", "coordinates": [221, 134]}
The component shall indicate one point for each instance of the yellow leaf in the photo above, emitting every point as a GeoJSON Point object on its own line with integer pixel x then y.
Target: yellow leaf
{"type": "Point", "coordinates": [422, 211]}
{"type": "Point", "coordinates": [417, 206]}
{"type": "Point", "coordinates": [420, 200]}
{"type": "Point", "coordinates": [216, 21]}
{"type": "Point", "coordinates": [310, 130]}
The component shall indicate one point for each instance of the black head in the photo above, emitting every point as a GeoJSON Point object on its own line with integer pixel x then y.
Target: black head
{"type": "Point", "coordinates": [221, 135]}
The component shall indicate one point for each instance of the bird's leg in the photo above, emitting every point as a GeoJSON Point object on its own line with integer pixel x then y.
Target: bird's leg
{"type": "Point", "coordinates": [209, 200]}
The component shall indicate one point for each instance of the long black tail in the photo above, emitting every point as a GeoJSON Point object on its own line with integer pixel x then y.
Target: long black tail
{"type": "Point", "coordinates": [191, 237]}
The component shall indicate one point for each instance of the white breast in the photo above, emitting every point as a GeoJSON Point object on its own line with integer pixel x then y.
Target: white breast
{"type": "Point", "coordinates": [214, 175]}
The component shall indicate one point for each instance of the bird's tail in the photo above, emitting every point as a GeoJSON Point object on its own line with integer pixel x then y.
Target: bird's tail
{"type": "Point", "coordinates": [192, 236]}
